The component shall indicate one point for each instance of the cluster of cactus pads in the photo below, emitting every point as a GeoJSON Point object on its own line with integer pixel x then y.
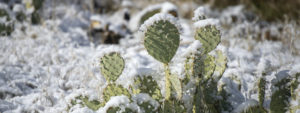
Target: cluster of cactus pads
{"type": "Point", "coordinates": [203, 70]}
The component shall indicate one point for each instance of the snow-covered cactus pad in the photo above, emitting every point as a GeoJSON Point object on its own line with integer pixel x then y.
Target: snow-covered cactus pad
{"type": "Point", "coordinates": [114, 90]}
{"type": "Point", "coordinates": [192, 66]}
{"type": "Point", "coordinates": [208, 34]}
{"type": "Point", "coordinates": [220, 61]}
{"type": "Point", "coordinates": [148, 107]}
{"type": "Point", "coordinates": [161, 37]}
{"type": "Point", "coordinates": [112, 66]}
{"type": "Point", "coordinates": [146, 84]}
{"type": "Point", "coordinates": [208, 67]}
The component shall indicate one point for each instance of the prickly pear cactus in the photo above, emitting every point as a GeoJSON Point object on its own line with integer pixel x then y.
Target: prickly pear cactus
{"type": "Point", "coordinates": [114, 90]}
{"type": "Point", "coordinates": [220, 61]}
{"type": "Point", "coordinates": [209, 36]}
{"type": "Point", "coordinates": [149, 14]}
{"type": "Point", "coordinates": [146, 84]}
{"type": "Point", "coordinates": [280, 98]}
{"type": "Point", "coordinates": [147, 107]}
{"type": "Point", "coordinates": [162, 40]}
{"type": "Point", "coordinates": [176, 85]}
{"type": "Point", "coordinates": [94, 104]}
{"type": "Point", "coordinates": [192, 67]}
{"type": "Point", "coordinates": [205, 98]}
{"type": "Point", "coordinates": [294, 84]}
{"type": "Point", "coordinates": [112, 66]}
{"type": "Point", "coordinates": [173, 106]}
{"type": "Point", "coordinates": [261, 91]}
{"type": "Point", "coordinates": [208, 67]}
{"type": "Point", "coordinates": [37, 4]}
{"type": "Point", "coordinates": [35, 18]}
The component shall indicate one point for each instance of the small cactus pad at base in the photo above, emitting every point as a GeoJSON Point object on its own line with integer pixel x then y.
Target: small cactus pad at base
{"type": "Point", "coordinates": [114, 90]}
{"type": "Point", "coordinates": [209, 36]}
{"type": "Point", "coordinates": [94, 104]}
{"type": "Point", "coordinates": [162, 40]}
{"type": "Point", "coordinates": [207, 68]}
{"type": "Point", "coordinates": [146, 84]}
{"type": "Point", "coordinates": [112, 66]}
{"type": "Point", "coordinates": [148, 108]}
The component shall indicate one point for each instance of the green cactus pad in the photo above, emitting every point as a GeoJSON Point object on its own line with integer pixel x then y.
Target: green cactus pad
{"type": "Point", "coordinates": [112, 66]}
{"type": "Point", "coordinates": [146, 84]}
{"type": "Point", "coordinates": [3, 13]}
{"type": "Point", "coordinates": [35, 18]}
{"type": "Point", "coordinates": [37, 4]}
{"type": "Point", "coordinates": [149, 14]}
{"type": "Point", "coordinates": [173, 106]}
{"type": "Point", "coordinates": [193, 65]}
{"type": "Point", "coordinates": [205, 98]}
{"type": "Point", "coordinates": [280, 98]}
{"type": "Point", "coordinates": [188, 69]}
{"type": "Point", "coordinates": [220, 61]}
{"type": "Point", "coordinates": [162, 40]}
{"type": "Point", "coordinates": [114, 90]}
{"type": "Point", "coordinates": [261, 91]}
{"type": "Point", "coordinates": [176, 85]}
{"type": "Point", "coordinates": [207, 68]}
{"type": "Point", "coordinates": [209, 36]}
{"type": "Point", "coordinates": [147, 107]}
{"type": "Point", "coordinates": [6, 29]}
{"type": "Point", "coordinates": [94, 104]}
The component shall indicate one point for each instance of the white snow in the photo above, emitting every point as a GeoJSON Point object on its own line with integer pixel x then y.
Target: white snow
{"type": "Point", "coordinates": [206, 22]}
{"type": "Point", "coordinates": [199, 13]}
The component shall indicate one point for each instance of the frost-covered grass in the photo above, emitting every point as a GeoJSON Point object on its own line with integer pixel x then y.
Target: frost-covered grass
{"type": "Point", "coordinates": [46, 66]}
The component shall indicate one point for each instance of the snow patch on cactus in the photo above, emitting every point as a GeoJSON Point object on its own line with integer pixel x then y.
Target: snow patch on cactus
{"type": "Point", "coordinates": [199, 14]}
{"type": "Point", "coordinates": [158, 17]}
{"type": "Point", "coordinates": [167, 6]}
{"type": "Point", "coordinates": [116, 102]}
{"type": "Point", "coordinates": [206, 22]}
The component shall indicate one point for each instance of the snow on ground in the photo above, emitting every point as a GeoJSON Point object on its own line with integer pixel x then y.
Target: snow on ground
{"type": "Point", "coordinates": [48, 65]}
